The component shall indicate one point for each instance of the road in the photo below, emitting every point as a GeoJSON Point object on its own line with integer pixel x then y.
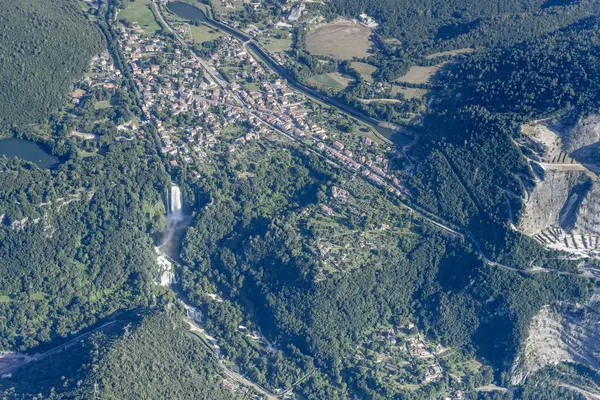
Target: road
{"type": "Point", "coordinates": [251, 44]}
{"type": "Point", "coordinates": [585, 393]}
{"type": "Point", "coordinates": [406, 202]}
{"type": "Point", "coordinates": [55, 350]}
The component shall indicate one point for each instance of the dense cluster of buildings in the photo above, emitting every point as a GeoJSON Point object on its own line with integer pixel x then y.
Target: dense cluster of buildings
{"type": "Point", "coordinates": [192, 101]}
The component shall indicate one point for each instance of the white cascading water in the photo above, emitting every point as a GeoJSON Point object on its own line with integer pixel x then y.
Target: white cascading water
{"type": "Point", "coordinates": [166, 276]}
{"type": "Point", "coordinates": [175, 213]}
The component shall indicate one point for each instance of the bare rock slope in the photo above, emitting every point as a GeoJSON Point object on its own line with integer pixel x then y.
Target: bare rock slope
{"type": "Point", "coordinates": [562, 209]}
{"type": "Point", "coordinates": [557, 334]}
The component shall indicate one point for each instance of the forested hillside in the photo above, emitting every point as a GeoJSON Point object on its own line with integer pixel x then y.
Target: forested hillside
{"type": "Point", "coordinates": [260, 256]}
{"type": "Point", "coordinates": [477, 112]}
{"type": "Point", "coordinates": [155, 358]}
{"type": "Point", "coordinates": [75, 244]}
{"type": "Point", "coordinates": [466, 22]}
{"type": "Point", "coordinates": [44, 46]}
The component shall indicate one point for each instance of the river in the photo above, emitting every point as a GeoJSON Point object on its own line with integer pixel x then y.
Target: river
{"type": "Point", "coordinates": [398, 135]}
{"type": "Point", "coordinates": [28, 151]}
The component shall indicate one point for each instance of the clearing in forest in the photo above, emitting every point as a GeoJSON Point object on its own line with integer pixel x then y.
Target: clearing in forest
{"type": "Point", "coordinates": [342, 40]}
{"type": "Point", "coordinates": [464, 50]}
{"type": "Point", "coordinates": [409, 93]}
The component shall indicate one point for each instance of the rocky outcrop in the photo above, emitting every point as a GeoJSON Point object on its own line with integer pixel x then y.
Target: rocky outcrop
{"type": "Point", "coordinates": [559, 334]}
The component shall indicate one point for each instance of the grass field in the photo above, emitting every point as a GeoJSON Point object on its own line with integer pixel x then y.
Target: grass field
{"type": "Point", "coordinates": [409, 93]}
{"type": "Point", "coordinates": [276, 45]}
{"type": "Point", "coordinates": [418, 74]}
{"type": "Point", "coordinates": [333, 80]}
{"type": "Point", "coordinates": [100, 105]}
{"type": "Point", "coordinates": [342, 40]}
{"type": "Point", "coordinates": [203, 33]}
{"type": "Point", "coordinates": [365, 70]}
{"type": "Point", "coordinates": [226, 6]}
{"type": "Point", "coordinates": [204, 7]}
{"type": "Point", "coordinates": [140, 12]}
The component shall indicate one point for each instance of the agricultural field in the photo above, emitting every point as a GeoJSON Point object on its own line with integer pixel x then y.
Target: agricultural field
{"type": "Point", "coordinates": [342, 40]}
{"type": "Point", "coordinates": [365, 70]}
{"type": "Point", "coordinates": [204, 33]}
{"type": "Point", "coordinates": [140, 12]}
{"type": "Point", "coordinates": [333, 80]}
{"type": "Point", "coordinates": [418, 74]}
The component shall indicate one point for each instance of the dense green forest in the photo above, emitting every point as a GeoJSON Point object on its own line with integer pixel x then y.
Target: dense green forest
{"type": "Point", "coordinates": [152, 356]}
{"type": "Point", "coordinates": [45, 45]}
{"type": "Point", "coordinates": [259, 256]}
{"type": "Point", "coordinates": [84, 250]}
{"type": "Point", "coordinates": [466, 22]}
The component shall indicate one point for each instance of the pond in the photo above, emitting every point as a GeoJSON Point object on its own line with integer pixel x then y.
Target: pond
{"type": "Point", "coordinates": [28, 151]}
{"type": "Point", "coordinates": [186, 10]}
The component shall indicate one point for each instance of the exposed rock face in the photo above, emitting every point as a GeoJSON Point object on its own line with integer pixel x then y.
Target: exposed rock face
{"type": "Point", "coordinates": [588, 219]}
{"type": "Point", "coordinates": [559, 334]}
{"type": "Point", "coordinates": [585, 133]}
{"type": "Point", "coordinates": [547, 201]}
{"type": "Point", "coordinates": [562, 210]}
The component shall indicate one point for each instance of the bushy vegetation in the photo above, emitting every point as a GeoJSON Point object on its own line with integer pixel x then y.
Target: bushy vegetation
{"type": "Point", "coordinates": [45, 45]}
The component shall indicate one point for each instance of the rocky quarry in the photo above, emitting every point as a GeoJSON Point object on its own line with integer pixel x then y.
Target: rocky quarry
{"type": "Point", "coordinates": [561, 208]}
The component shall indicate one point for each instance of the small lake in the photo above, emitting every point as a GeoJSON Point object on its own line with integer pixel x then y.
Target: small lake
{"type": "Point", "coordinates": [28, 151]}
{"type": "Point", "coordinates": [186, 10]}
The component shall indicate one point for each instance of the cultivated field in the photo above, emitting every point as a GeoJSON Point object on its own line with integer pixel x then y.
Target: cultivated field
{"type": "Point", "coordinates": [419, 74]}
{"type": "Point", "coordinates": [140, 12]}
{"type": "Point", "coordinates": [365, 70]}
{"type": "Point", "coordinates": [342, 40]}
{"type": "Point", "coordinates": [333, 80]}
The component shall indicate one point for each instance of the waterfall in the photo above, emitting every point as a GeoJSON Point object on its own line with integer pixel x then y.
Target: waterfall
{"type": "Point", "coordinates": [166, 272]}
{"type": "Point", "coordinates": [175, 213]}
